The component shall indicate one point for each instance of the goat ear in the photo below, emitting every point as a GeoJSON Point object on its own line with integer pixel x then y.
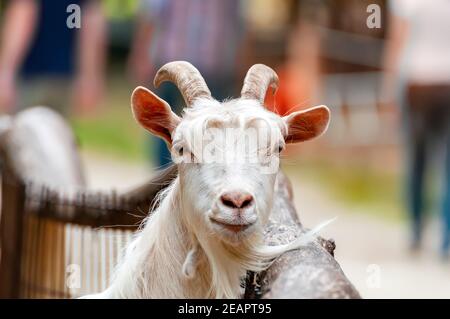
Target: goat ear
{"type": "Point", "coordinates": [153, 113]}
{"type": "Point", "coordinates": [307, 124]}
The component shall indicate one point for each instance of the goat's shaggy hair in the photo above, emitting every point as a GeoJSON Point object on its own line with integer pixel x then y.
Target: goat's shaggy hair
{"type": "Point", "coordinates": [172, 256]}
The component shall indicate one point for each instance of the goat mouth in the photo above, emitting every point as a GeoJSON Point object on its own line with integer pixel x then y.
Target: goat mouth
{"type": "Point", "coordinates": [235, 228]}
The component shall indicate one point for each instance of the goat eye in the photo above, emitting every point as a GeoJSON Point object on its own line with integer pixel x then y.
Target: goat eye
{"type": "Point", "coordinates": [280, 148]}
{"type": "Point", "coordinates": [179, 150]}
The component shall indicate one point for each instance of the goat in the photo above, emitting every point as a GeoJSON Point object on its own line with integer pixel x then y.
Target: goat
{"type": "Point", "coordinates": [206, 229]}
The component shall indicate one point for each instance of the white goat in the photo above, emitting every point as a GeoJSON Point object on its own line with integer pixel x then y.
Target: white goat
{"type": "Point", "coordinates": [206, 229]}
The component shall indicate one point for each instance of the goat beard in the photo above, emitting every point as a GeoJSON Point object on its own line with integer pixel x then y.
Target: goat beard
{"type": "Point", "coordinates": [228, 264]}
{"type": "Point", "coordinates": [234, 261]}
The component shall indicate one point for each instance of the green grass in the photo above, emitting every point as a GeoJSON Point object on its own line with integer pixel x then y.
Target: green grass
{"type": "Point", "coordinates": [113, 131]}
{"type": "Point", "coordinates": [111, 135]}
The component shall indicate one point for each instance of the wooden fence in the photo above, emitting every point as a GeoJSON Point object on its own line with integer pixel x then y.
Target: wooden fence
{"type": "Point", "coordinates": [57, 245]}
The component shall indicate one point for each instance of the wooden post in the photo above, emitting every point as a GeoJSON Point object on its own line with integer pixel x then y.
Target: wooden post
{"type": "Point", "coordinates": [13, 196]}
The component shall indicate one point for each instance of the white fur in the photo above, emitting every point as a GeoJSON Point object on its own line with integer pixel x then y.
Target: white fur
{"type": "Point", "coordinates": [179, 253]}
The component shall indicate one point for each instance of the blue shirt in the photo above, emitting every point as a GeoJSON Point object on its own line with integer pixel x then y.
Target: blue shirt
{"type": "Point", "coordinates": [52, 51]}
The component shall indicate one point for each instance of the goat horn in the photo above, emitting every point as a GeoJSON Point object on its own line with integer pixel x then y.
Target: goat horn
{"type": "Point", "coordinates": [186, 77]}
{"type": "Point", "coordinates": [258, 79]}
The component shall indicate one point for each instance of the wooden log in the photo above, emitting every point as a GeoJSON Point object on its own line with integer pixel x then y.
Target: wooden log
{"type": "Point", "coordinates": [310, 272]}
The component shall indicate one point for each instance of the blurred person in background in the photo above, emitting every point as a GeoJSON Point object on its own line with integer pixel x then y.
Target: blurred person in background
{"type": "Point", "coordinates": [300, 70]}
{"type": "Point", "coordinates": [418, 58]}
{"type": "Point", "coordinates": [208, 34]}
{"type": "Point", "coordinates": [40, 55]}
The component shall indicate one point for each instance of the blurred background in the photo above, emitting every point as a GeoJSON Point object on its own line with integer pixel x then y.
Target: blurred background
{"type": "Point", "coordinates": [381, 67]}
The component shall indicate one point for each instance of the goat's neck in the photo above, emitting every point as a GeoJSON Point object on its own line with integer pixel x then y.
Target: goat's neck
{"type": "Point", "coordinates": [152, 267]}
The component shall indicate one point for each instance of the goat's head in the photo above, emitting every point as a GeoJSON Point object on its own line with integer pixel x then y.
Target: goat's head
{"type": "Point", "coordinates": [227, 152]}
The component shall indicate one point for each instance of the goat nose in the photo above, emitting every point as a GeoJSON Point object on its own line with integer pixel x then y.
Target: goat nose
{"type": "Point", "coordinates": [236, 199]}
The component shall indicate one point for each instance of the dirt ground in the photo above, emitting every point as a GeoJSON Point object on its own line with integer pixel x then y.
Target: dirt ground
{"type": "Point", "coordinates": [372, 251]}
